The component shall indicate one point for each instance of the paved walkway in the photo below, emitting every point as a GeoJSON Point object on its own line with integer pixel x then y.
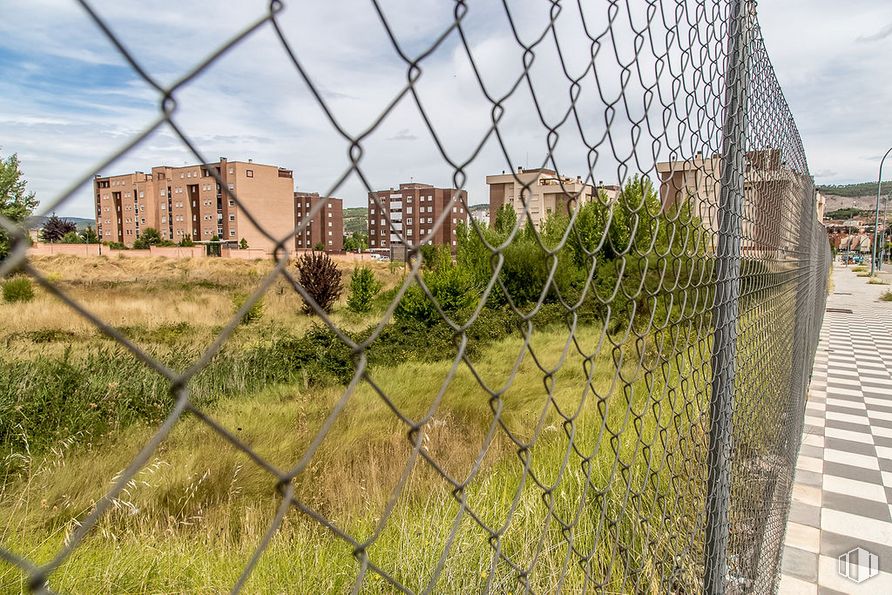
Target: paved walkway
{"type": "Point", "coordinates": [842, 496]}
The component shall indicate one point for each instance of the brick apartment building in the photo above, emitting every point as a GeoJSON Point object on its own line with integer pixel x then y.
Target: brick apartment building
{"type": "Point", "coordinates": [326, 228]}
{"type": "Point", "coordinates": [548, 192]}
{"type": "Point", "coordinates": [407, 216]}
{"type": "Point", "coordinates": [188, 202]}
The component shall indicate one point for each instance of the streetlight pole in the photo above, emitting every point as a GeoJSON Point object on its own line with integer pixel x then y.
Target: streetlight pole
{"type": "Point", "coordinates": [876, 218]}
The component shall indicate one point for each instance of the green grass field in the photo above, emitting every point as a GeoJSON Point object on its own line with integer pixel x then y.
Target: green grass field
{"type": "Point", "coordinates": [616, 494]}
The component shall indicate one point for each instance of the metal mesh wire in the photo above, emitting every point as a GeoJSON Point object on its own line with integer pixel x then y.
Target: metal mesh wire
{"type": "Point", "coordinates": [686, 344]}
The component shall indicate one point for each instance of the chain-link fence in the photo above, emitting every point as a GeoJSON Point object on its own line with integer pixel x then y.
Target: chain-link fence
{"type": "Point", "coordinates": [658, 329]}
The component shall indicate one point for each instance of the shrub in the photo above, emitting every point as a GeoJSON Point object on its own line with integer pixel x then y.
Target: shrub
{"type": "Point", "coordinates": [321, 279]}
{"type": "Point", "coordinates": [452, 287]}
{"type": "Point", "coordinates": [18, 289]}
{"type": "Point", "coordinates": [243, 244]}
{"type": "Point", "coordinates": [116, 246]}
{"type": "Point", "coordinates": [186, 242]}
{"type": "Point", "coordinates": [254, 313]}
{"type": "Point", "coordinates": [363, 289]}
{"type": "Point", "coordinates": [72, 237]}
{"type": "Point", "coordinates": [54, 229]}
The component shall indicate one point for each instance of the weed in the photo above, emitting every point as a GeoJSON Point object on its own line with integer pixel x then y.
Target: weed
{"type": "Point", "coordinates": [18, 289]}
{"type": "Point", "coordinates": [254, 313]}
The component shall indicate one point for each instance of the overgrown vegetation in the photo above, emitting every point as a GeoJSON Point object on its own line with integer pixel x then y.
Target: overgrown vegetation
{"type": "Point", "coordinates": [196, 512]}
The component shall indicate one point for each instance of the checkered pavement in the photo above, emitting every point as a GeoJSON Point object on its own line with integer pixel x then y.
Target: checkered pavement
{"type": "Point", "coordinates": [842, 495]}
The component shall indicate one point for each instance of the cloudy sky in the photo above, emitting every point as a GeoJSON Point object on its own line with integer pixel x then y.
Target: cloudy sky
{"type": "Point", "coordinates": [69, 101]}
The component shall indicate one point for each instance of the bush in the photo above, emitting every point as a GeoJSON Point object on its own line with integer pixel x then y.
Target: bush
{"type": "Point", "coordinates": [321, 279]}
{"type": "Point", "coordinates": [363, 289]}
{"type": "Point", "coordinates": [186, 242]}
{"type": "Point", "coordinates": [254, 313]}
{"type": "Point", "coordinates": [116, 246]}
{"type": "Point", "coordinates": [18, 289]}
{"type": "Point", "coordinates": [54, 229]}
{"type": "Point", "coordinates": [452, 287]}
{"type": "Point", "coordinates": [72, 237]}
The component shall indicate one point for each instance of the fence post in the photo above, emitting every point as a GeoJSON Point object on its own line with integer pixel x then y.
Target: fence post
{"type": "Point", "coordinates": [725, 308]}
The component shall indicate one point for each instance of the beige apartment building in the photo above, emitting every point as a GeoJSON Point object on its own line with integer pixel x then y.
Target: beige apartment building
{"type": "Point", "coordinates": [188, 201]}
{"type": "Point", "coordinates": [407, 216]}
{"type": "Point", "coordinates": [770, 186]}
{"type": "Point", "coordinates": [326, 227]}
{"type": "Point", "coordinates": [544, 191]}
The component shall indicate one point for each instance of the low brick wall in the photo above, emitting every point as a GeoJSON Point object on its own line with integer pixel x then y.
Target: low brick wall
{"type": "Point", "coordinates": [70, 249]}
{"type": "Point", "coordinates": [247, 254]}
{"type": "Point", "coordinates": [178, 252]}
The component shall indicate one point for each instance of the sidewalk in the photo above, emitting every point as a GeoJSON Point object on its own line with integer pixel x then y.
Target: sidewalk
{"type": "Point", "coordinates": [842, 496]}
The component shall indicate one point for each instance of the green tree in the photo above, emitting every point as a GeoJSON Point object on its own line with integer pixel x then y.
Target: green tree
{"type": "Point", "coordinates": [55, 228]}
{"type": "Point", "coordinates": [363, 289]}
{"type": "Point", "coordinates": [506, 219]}
{"type": "Point", "coordinates": [16, 203]}
{"type": "Point", "coordinates": [88, 236]}
{"type": "Point", "coordinates": [319, 247]}
{"type": "Point", "coordinates": [356, 242]}
{"type": "Point", "coordinates": [243, 245]}
{"type": "Point", "coordinates": [149, 237]}
{"type": "Point", "coordinates": [186, 242]}
{"type": "Point", "coordinates": [72, 237]}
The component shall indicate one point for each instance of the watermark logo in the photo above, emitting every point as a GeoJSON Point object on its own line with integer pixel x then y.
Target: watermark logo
{"type": "Point", "coordinates": [858, 565]}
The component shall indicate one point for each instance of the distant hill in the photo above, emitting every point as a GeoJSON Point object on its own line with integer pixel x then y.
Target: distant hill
{"type": "Point", "coordinates": [846, 200]}
{"type": "Point", "coordinates": [37, 222]}
{"type": "Point", "coordinates": [855, 190]}
{"type": "Point", "coordinates": [356, 219]}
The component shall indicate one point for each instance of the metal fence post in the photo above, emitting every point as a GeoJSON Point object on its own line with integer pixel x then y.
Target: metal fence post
{"type": "Point", "coordinates": [725, 308]}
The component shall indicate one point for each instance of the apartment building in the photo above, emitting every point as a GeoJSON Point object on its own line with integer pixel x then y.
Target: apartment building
{"type": "Point", "coordinates": [543, 190]}
{"type": "Point", "coordinates": [771, 187]}
{"type": "Point", "coordinates": [326, 227]}
{"type": "Point", "coordinates": [407, 216]}
{"type": "Point", "coordinates": [188, 202]}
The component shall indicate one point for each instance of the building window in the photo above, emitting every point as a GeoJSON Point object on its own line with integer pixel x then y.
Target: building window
{"type": "Point", "coordinates": [231, 170]}
{"type": "Point", "coordinates": [329, 213]}
{"type": "Point", "coordinates": [408, 210]}
{"type": "Point", "coordinates": [231, 186]}
{"type": "Point", "coordinates": [232, 217]}
{"type": "Point", "coordinates": [249, 173]}
{"type": "Point", "coordinates": [409, 221]}
{"type": "Point", "coordinates": [231, 203]}
{"type": "Point", "coordinates": [372, 242]}
{"type": "Point", "coordinates": [231, 232]}
{"type": "Point", "coordinates": [329, 233]}
{"type": "Point", "coordinates": [329, 223]}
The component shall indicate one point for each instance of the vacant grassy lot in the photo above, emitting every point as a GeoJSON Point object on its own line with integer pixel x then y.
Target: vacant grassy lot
{"type": "Point", "coordinates": [572, 470]}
